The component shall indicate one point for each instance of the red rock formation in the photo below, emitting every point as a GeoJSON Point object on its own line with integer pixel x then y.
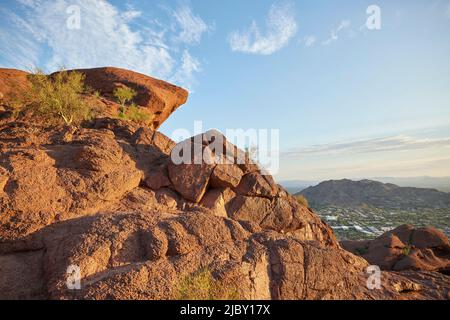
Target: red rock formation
{"type": "Point", "coordinates": [159, 98]}
{"type": "Point", "coordinates": [109, 199]}
{"type": "Point", "coordinates": [80, 196]}
{"type": "Point", "coordinates": [12, 81]}
{"type": "Point", "coordinates": [406, 248]}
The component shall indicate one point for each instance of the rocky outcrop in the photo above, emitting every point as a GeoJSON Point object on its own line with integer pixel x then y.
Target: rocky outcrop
{"type": "Point", "coordinates": [112, 201]}
{"type": "Point", "coordinates": [54, 175]}
{"type": "Point", "coordinates": [406, 248]}
{"type": "Point", "coordinates": [159, 98]}
{"type": "Point", "coordinates": [12, 82]}
{"type": "Point", "coordinates": [109, 199]}
{"type": "Point", "coordinates": [141, 256]}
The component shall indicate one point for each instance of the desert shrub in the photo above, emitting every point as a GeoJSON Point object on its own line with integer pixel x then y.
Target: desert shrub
{"type": "Point", "coordinates": [409, 246]}
{"type": "Point", "coordinates": [201, 285]}
{"type": "Point", "coordinates": [134, 113]}
{"type": "Point", "coordinates": [407, 250]}
{"type": "Point", "coordinates": [58, 98]}
{"type": "Point", "coordinates": [96, 94]}
{"type": "Point", "coordinates": [301, 199]}
{"type": "Point", "coordinates": [124, 95]}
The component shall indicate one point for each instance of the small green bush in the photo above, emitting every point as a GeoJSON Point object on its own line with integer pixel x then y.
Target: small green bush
{"type": "Point", "coordinates": [124, 95]}
{"type": "Point", "coordinates": [134, 113]}
{"type": "Point", "coordinates": [409, 246]}
{"type": "Point", "coordinates": [301, 199]}
{"type": "Point", "coordinates": [201, 285]}
{"type": "Point", "coordinates": [58, 98]}
{"type": "Point", "coordinates": [407, 250]}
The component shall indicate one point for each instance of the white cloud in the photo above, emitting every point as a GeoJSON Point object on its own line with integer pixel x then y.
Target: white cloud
{"type": "Point", "coordinates": [280, 28]}
{"type": "Point", "coordinates": [105, 38]}
{"type": "Point", "coordinates": [20, 52]}
{"type": "Point", "coordinates": [185, 74]}
{"type": "Point", "coordinates": [345, 24]}
{"type": "Point", "coordinates": [131, 14]}
{"type": "Point", "coordinates": [448, 10]}
{"type": "Point", "coordinates": [29, 3]}
{"type": "Point", "coordinates": [398, 155]}
{"type": "Point", "coordinates": [394, 143]}
{"type": "Point", "coordinates": [310, 41]}
{"type": "Point", "coordinates": [192, 26]}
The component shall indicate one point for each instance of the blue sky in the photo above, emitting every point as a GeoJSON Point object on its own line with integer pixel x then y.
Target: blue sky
{"type": "Point", "coordinates": [348, 101]}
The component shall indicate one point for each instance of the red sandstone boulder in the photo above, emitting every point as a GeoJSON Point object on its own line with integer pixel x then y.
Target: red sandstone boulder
{"type": "Point", "coordinates": [159, 97]}
{"type": "Point", "coordinates": [157, 178]}
{"type": "Point", "coordinates": [406, 248]}
{"type": "Point", "coordinates": [226, 175]}
{"type": "Point", "coordinates": [191, 179]}
{"type": "Point", "coordinates": [12, 84]}
{"type": "Point", "coordinates": [257, 185]}
{"type": "Point", "coordinates": [81, 197]}
{"type": "Point", "coordinates": [109, 199]}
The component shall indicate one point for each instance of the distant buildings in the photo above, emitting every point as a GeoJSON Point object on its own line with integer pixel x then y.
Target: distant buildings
{"type": "Point", "coordinates": [369, 223]}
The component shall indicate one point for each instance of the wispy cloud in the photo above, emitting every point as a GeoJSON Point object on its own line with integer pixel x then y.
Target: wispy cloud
{"type": "Point", "coordinates": [186, 72]}
{"type": "Point", "coordinates": [281, 26]}
{"type": "Point", "coordinates": [21, 52]}
{"type": "Point", "coordinates": [448, 10]}
{"type": "Point", "coordinates": [345, 24]}
{"type": "Point", "coordinates": [395, 143]}
{"type": "Point", "coordinates": [131, 14]}
{"type": "Point", "coordinates": [29, 3]}
{"type": "Point", "coordinates": [310, 41]}
{"type": "Point", "coordinates": [105, 37]}
{"type": "Point", "coordinates": [192, 26]}
{"type": "Point", "coordinates": [398, 155]}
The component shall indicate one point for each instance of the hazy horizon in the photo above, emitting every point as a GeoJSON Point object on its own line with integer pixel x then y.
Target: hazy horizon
{"type": "Point", "coordinates": [439, 183]}
{"type": "Point", "coordinates": [372, 178]}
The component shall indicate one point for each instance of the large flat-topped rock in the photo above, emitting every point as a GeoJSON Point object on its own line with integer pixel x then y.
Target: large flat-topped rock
{"type": "Point", "coordinates": [160, 97]}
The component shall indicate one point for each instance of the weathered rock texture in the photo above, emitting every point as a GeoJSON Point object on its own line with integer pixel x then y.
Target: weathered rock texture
{"type": "Point", "coordinates": [160, 99]}
{"type": "Point", "coordinates": [103, 198]}
{"type": "Point", "coordinates": [406, 248]}
{"type": "Point", "coordinates": [111, 198]}
{"type": "Point", "coordinates": [12, 81]}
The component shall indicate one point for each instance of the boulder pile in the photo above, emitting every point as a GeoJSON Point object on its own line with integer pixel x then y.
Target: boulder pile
{"type": "Point", "coordinates": [406, 248]}
{"type": "Point", "coordinates": [111, 200]}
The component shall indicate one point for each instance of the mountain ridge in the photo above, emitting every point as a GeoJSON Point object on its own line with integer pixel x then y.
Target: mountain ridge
{"type": "Point", "coordinates": [350, 193]}
{"type": "Point", "coordinates": [427, 182]}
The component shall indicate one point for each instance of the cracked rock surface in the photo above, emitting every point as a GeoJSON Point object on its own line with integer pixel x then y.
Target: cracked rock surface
{"type": "Point", "coordinates": [109, 199]}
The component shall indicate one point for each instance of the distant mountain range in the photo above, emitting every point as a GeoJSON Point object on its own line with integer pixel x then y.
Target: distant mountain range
{"type": "Point", "coordinates": [294, 186]}
{"type": "Point", "coordinates": [348, 193]}
{"type": "Point", "coordinates": [441, 183]}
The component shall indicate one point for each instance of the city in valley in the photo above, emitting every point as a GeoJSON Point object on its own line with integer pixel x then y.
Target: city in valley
{"type": "Point", "coordinates": [369, 222]}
